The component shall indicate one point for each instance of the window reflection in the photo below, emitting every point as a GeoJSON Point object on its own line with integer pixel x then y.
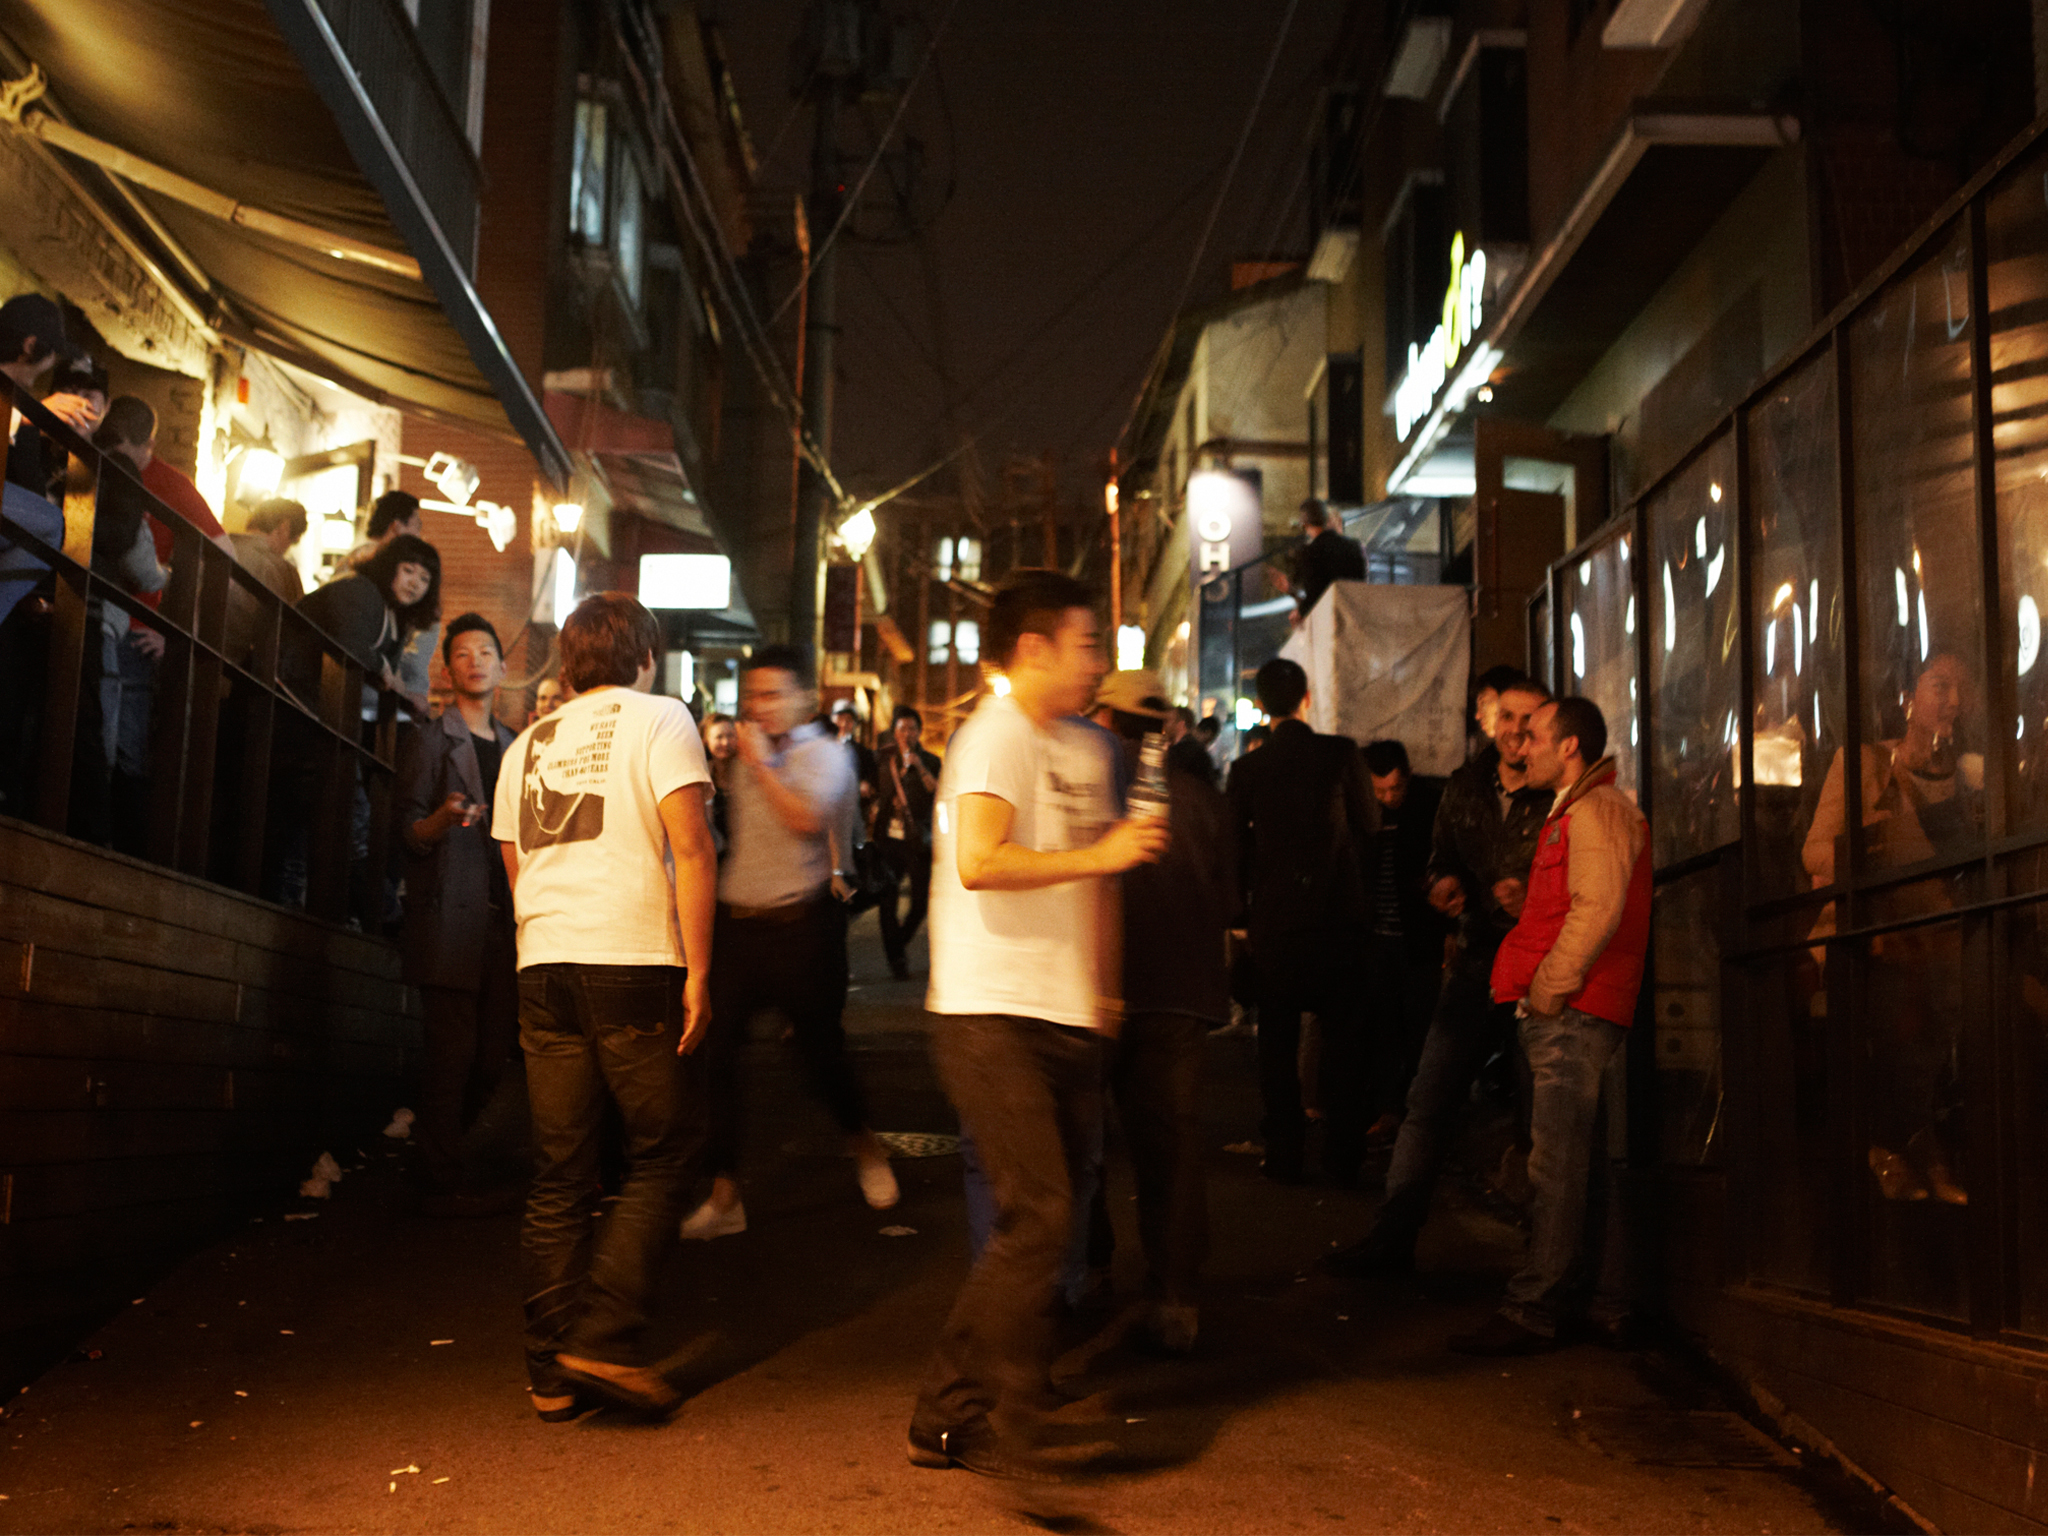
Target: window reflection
{"type": "Point", "coordinates": [2016, 271]}
{"type": "Point", "coordinates": [1795, 586]}
{"type": "Point", "coordinates": [1599, 658]}
{"type": "Point", "coordinates": [1686, 1005]}
{"type": "Point", "coordinates": [1542, 665]}
{"type": "Point", "coordinates": [1790, 1227]}
{"type": "Point", "coordinates": [2027, 1011]}
{"type": "Point", "coordinates": [1913, 1142]}
{"type": "Point", "coordinates": [1693, 660]}
{"type": "Point", "coordinates": [1921, 611]}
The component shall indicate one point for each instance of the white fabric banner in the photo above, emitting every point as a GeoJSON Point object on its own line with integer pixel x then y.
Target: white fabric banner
{"type": "Point", "coordinates": [1389, 661]}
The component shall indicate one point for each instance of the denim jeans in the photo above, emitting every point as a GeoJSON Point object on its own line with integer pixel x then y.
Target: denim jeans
{"type": "Point", "coordinates": [1156, 1073]}
{"type": "Point", "coordinates": [598, 1034]}
{"type": "Point", "coordinates": [1567, 1056]}
{"type": "Point", "coordinates": [981, 1212]}
{"type": "Point", "coordinates": [1030, 1094]}
{"type": "Point", "coordinates": [471, 1035]}
{"type": "Point", "coordinates": [1466, 1029]}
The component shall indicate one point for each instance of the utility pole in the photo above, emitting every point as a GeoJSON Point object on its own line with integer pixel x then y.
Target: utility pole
{"type": "Point", "coordinates": [821, 332]}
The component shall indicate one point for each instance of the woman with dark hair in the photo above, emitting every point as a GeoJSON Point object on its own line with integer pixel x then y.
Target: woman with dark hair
{"type": "Point", "coordinates": [377, 608]}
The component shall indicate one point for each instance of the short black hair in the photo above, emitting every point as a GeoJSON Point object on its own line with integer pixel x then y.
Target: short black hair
{"type": "Point", "coordinates": [468, 623]}
{"type": "Point", "coordinates": [1258, 736]}
{"type": "Point", "coordinates": [1386, 756]}
{"type": "Point", "coordinates": [1503, 677]}
{"type": "Point", "coordinates": [1582, 718]}
{"type": "Point", "coordinates": [30, 315]}
{"type": "Point", "coordinates": [1282, 686]}
{"type": "Point", "coordinates": [906, 712]}
{"type": "Point", "coordinates": [1209, 727]}
{"type": "Point", "coordinates": [79, 375]}
{"type": "Point", "coordinates": [1315, 513]}
{"type": "Point", "coordinates": [784, 656]}
{"type": "Point", "coordinates": [1031, 601]}
{"type": "Point", "coordinates": [130, 419]}
{"type": "Point", "coordinates": [389, 510]}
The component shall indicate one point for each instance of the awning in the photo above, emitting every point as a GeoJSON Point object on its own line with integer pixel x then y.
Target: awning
{"type": "Point", "coordinates": [1671, 171]}
{"type": "Point", "coordinates": [261, 102]}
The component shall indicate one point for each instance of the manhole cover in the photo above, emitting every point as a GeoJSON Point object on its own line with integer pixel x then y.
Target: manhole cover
{"type": "Point", "coordinates": [1673, 1437]}
{"type": "Point", "coordinates": [918, 1143]}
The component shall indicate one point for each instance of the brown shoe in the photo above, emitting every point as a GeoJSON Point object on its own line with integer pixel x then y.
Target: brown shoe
{"type": "Point", "coordinates": [631, 1387]}
{"type": "Point", "coordinates": [1897, 1179]}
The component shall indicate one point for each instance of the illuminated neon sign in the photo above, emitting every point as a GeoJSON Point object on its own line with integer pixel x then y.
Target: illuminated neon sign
{"type": "Point", "coordinates": [1430, 364]}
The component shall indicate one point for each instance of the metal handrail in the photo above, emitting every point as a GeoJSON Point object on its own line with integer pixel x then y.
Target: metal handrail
{"type": "Point", "coordinates": [230, 641]}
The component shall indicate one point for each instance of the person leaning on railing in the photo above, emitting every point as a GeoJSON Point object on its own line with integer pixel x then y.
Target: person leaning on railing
{"type": "Point", "coordinates": [375, 610]}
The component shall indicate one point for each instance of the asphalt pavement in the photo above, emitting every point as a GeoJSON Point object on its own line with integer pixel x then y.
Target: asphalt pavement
{"type": "Point", "coordinates": [360, 1370]}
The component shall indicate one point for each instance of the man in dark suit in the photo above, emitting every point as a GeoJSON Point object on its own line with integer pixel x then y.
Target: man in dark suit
{"type": "Point", "coordinates": [459, 941]}
{"type": "Point", "coordinates": [1327, 556]}
{"type": "Point", "coordinates": [1306, 826]}
{"type": "Point", "coordinates": [906, 781]}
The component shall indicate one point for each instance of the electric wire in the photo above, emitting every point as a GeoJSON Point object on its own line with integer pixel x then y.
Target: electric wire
{"type": "Point", "coordinates": [852, 198]}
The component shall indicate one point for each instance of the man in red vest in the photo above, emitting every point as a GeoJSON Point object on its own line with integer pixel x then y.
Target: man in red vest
{"type": "Point", "coordinates": [1572, 965]}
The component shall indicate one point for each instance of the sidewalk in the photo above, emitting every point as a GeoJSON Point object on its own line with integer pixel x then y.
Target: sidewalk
{"type": "Point", "coordinates": [361, 1371]}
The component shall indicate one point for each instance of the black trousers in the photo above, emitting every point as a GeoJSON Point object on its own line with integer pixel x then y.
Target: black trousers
{"type": "Point", "coordinates": [599, 1035]}
{"type": "Point", "coordinates": [1030, 1094]}
{"type": "Point", "coordinates": [1406, 985]}
{"type": "Point", "coordinates": [902, 858]}
{"type": "Point", "coordinates": [798, 967]}
{"type": "Point", "coordinates": [1324, 980]}
{"type": "Point", "coordinates": [471, 1037]}
{"type": "Point", "coordinates": [1156, 1075]}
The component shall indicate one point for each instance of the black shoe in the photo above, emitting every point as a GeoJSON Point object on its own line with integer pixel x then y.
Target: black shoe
{"type": "Point", "coordinates": [976, 1448]}
{"type": "Point", "coordinates": [1369, 1258]}
{"type": "Point", "coordinates": [899, 968]}
{"type": "Point", "coordinates": [1501, 1335]}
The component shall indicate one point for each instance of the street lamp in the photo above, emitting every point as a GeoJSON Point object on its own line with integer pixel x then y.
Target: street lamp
{"type": "Point", "coordinates": [857, 533]}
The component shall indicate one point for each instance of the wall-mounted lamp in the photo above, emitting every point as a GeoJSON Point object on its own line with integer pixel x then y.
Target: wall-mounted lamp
{"type": "Point", "coordinates": [454, 478]}
{"type": "Point", "coordinates": [568, 515]}
{"type": "Point", "coordinates": [501, 523]}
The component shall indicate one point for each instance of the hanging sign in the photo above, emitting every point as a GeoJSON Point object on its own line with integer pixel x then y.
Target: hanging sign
{"type": "Point", "coordinates": [1464, 313]}
{"type": "Point", "coordinates": [1226, 521]}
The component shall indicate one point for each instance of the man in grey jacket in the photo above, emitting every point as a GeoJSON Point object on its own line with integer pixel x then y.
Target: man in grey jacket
{"type": "Point", "coordinates": [459, 940]}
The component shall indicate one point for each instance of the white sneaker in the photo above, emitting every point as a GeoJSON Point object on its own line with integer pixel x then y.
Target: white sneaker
{"type": "Point", "coordinates": [708, 1221]}
{"type": "Point", "coordinates": [877, 1183]}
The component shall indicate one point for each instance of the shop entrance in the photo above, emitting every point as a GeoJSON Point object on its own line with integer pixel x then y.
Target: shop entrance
{"type": "Point", "coordinates": [1538, 492]}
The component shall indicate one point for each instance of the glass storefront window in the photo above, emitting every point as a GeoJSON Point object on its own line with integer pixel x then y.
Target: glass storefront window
{"type": "Point", "coordinates": [1541, 663]}
{"type": "Point", "coordinates": [1794, 540]}
{"type": "Point", "coordinates": [1694, 666]}
{"type": "Point", "coordinates": [2016, 273]}
{"type": "Point", "coordinates": [1920, 609]}
{"type": "Point", "coordinates": [1790, 1234]}
{"type": "Point", "coordinates": [1685, 1002]}
{"type": "Point", "coordinates": [1599, 660]}
{"type": "Point", "coordinates": [2027, 1015]}
{"type": "Point", "coordinates": [1912, 1143]}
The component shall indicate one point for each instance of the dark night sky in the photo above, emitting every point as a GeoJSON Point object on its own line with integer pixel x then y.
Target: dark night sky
{"type": "Point", "coordinates": [1078, 129]}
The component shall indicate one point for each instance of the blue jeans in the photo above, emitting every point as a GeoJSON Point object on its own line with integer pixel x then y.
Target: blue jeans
{"type": "Point", "coordinates": [1467, 1028]}
{"type": "Point", "coordinates": [592, 1034]}
{"type": "Point", "coordinates": [1568, 1055]}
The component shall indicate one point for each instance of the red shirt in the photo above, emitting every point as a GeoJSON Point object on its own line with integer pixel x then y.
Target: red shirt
{"type": "Point", "coordinates": [183, 498]}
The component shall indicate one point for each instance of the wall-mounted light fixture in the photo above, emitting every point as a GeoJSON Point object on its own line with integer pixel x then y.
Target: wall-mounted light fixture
{"type": "Point", "coordinates": [857, 533]}
{"type": "Point", "coordinates": [568, 515]}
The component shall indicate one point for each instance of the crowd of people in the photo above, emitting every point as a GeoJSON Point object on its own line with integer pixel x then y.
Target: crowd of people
{"type": "Point", "coordinates": [596, 908]}
{"type": "Point", "coordinates": [626, 891]}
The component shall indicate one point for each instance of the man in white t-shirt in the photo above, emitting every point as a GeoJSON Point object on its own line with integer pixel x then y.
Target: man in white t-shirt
{"type": "Point", "coordinates": [600, 815]}
{"type": "Point", "coordinates": [1026, 972]}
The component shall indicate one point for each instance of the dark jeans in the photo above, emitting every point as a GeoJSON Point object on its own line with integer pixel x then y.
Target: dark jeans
{"type": "Point", "coordinates": [798, 967]}
{"type": "Point", "coordinates": [901, 858]}
{"type": "Point", "coordinates": [1335, 994]}
{"type": "Point", "coordinates": [1030, 1094]}
{"type": "Point", "coordinates": [598, 1034]}
{"type": "Point", "coordinates": [470, 1038]}
{"type": "Point", "coordinates": [1467, 1029]}
{"type": "Point", "coordinates": [1568, 1056]}
{"type": "Point", "coordinates": [1156, 1074]}
{"type": "Point", "coordinates": [1407, 984]}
